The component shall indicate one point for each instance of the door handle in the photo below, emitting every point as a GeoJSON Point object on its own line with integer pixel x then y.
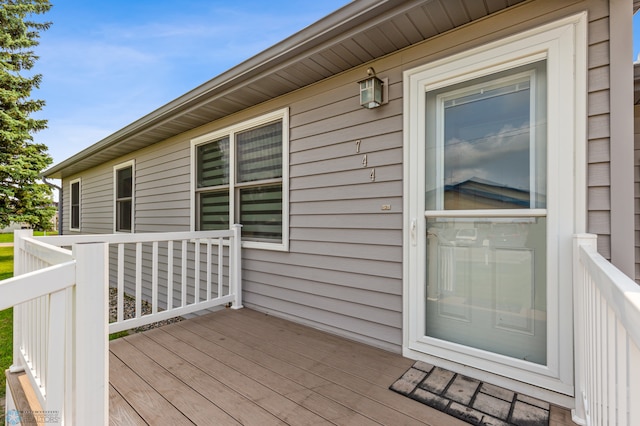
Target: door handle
{"type": "Point", "coordinates": [413, 232]}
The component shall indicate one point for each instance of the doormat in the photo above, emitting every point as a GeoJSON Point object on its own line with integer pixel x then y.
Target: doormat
{"type": "Point", "coordinates": [469, 399]}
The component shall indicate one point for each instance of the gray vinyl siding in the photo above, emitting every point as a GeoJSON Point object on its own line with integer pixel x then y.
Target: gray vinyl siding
{"type": "Point", "coordinates": [598, 169]}
{"type": "Point", "coordinates": [343, 272]}
{"type": "Point", "coordinates": [162, 188]}
{"type": "Point", "coordinates": [636, 188]}
{"type": "Point", "coordinates": [96, 202]}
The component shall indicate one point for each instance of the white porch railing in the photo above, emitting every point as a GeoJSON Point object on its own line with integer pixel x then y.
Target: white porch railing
{"type": "Point", "coordinates": [59, 328]}
{"type": "Point", "coordinates": [607, 339]}
{"type": "Point", "coordinates": [177, 272]}
{"type": "Point", "coordinates": [60, 303]}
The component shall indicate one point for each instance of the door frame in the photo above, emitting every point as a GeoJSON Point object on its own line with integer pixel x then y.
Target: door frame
{"type": "Point", "coordinates": [563, 44]}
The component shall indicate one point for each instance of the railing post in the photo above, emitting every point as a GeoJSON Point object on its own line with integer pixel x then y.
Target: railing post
{"type": "Point", "coordinates": [18, 269]}
{"type": "Point", "coordinates": [91, 334]}
{"type": "Point", "coordinates": [235, 253]}
{"type": "Point", "coordinates": [580, 412]}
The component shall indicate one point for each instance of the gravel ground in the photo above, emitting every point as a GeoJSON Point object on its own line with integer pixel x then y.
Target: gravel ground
{"type": "Point", "coordinates": [130, 311]}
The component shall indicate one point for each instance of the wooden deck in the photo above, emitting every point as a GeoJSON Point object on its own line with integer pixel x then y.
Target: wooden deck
{"type": "Point", "coordinates": [244, 367]}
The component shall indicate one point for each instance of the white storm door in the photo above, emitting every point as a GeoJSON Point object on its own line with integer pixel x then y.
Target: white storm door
{"type": "Point", "coordinates": [485, 213]}
{"type": "Point", "coordinates": [490, 214]}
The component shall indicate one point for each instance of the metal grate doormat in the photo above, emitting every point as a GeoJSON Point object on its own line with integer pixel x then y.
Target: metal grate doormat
{"type": "Point", "coordinates": [469, 399]}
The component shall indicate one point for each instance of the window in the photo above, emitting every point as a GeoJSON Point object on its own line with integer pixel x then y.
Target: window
{"type": "Point", "coordinates": [75, 205]}
{"type": "Point", "coordinates": [240, 176]}
{"type": "Point", "coordinates": [123, 204]}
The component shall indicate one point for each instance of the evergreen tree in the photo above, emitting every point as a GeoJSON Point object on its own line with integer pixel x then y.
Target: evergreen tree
{"type": "Point", "coordinates": [23, 198]}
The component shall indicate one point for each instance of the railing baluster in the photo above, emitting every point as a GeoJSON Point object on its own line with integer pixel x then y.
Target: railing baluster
{"type": "Point", "coordinates": [622, 376]}
{"type": "Point", "coordinates": [69, 402]}
{"type": "Point", "coordinates": [54, 376]}
{"type": "Point", "coordinates": [633, 383]}
{"type": "Point", "coordinates": [154, 278]}
{"type": "Point", "coordinates": [43, 343]}
{"type": "Point", "coordinates": [184, 274]}
{"type": "Point", "coordinates": [221, 267]}
{"type": "Point", "coordinates": [170, 275]}
{"type": "Point", "coordinates": [196, 268]}
{"type": "Point", "coordinates": [120, 282]}
{"type": "Point", "coordinates": [235, 272]}
{"type": "Point", "coordinates": [611, 348]}
{"type": "Point", "coordinates": [208, 269]}
{"type": "Point", "coordinates": [138, 280]}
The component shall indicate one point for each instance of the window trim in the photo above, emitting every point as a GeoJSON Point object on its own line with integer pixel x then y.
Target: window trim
{"type": "Point", "coordinates": [116, 168]}
{"type": "Point", "coordinates": [71, 183]}
{"type": "Point", "coordinates": [281, 114]}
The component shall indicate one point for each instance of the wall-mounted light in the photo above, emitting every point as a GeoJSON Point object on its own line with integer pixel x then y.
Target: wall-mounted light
{"type": "Point", "coordinates": [371, 90]}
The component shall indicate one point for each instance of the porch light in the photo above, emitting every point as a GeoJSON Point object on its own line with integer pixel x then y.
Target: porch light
{"type": "Point", "coordinates": [370, 90]}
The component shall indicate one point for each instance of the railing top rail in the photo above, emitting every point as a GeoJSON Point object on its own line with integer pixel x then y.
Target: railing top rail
{"type": "Point", "coordinates": [44, 251]}
{"type": "Point", "coordinates": [620, 291]}
{"type": "Point", "coordinates": [67, 240]}
{"type": "Point", "coordinates": [25, 287]}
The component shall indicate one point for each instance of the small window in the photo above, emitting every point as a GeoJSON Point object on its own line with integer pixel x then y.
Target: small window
{"type": "Point", "coordinates": [75, 205]}
{"type": "Point", "coordinates": [123, 176]}
{"type": "Point", "coordinates": [240, 178]}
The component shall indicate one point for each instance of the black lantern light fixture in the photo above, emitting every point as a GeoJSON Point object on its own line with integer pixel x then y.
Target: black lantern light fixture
{"type": "Point", "coordinates": [371, 90]}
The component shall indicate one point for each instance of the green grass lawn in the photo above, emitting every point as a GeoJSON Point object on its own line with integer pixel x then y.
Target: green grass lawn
{"type": "Point", "coordinates": [8, 237]}
{"type": "Point", "coordinates": [6, 318]}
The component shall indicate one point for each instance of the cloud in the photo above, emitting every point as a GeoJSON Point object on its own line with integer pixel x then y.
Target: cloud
{"type": "Point", "coordinates": [106, 64]}
{"type": "Point", "coordinates": [501, 157]}
{"type": "Point", "coordinates": [469, 152]}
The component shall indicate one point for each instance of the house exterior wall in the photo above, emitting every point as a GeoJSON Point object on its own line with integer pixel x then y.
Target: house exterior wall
{"type": "Point", "coordinates": [343, 272]}
{"type": "Point", "coordinates": [636, 188]}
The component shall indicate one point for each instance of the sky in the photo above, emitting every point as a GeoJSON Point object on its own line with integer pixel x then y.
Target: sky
{"type": "Point", "coordinates": [107, 63]}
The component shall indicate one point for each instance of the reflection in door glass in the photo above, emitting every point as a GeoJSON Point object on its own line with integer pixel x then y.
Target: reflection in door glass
{"type": "Point", "coordinates": [486, 284]}
{"type": "Point", "coordinates": [485, 272]}
{"type": "Point", "coordinates": [486, 150]}
{"type": "Point", "coordinates": [486, 143]}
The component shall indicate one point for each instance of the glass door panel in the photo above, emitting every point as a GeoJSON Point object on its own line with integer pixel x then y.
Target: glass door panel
{"type": "Point", "coordinates": [486, 284]}
{"type": "Point", "coordinates": [485, 213]}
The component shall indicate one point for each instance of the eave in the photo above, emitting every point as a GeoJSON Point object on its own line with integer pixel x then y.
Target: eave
{"type": "Point", "coordinates": [351, 36]}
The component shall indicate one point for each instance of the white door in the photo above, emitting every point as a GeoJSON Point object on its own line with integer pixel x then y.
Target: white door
{"type": "Point", "coordinates": [491, 208]}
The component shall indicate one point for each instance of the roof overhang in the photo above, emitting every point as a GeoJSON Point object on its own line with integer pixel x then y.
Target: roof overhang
{"type": "Point", "coordinates": [358, 33]}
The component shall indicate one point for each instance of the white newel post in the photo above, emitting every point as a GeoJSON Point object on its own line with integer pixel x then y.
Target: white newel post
{"type": "Point", "coordinates": [18, 269]}
{"type": "Point", "coordinates": [236, 258]}
{"type": "Point", "coordinates": [91, 342]}
{"type": "Point", "coordinates": [580, 412]}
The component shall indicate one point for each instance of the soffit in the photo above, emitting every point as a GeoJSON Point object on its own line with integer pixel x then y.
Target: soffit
{"type": "Point", "coordinates": [353, 35]}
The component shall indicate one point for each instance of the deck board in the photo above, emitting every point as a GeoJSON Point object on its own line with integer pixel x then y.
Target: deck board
{"type": "Point", "coordinates": [208, 379]}
{"type": "Point", "coordinates": [146, 401]}
{"type": "Point", "coordinates": [261, 334]}
{"type": "Point", "coordinates": [120, 412]}
{"type": "Point", "coordinates": [245, 367]}
{"type": "Point", "coordinates": [185, 399]}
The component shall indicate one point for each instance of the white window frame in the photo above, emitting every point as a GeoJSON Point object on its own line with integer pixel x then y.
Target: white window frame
{"type": "Point", "coordinates": [126, 164]}
{"type": "Point", "coordinates": [281, 114]}
{"type": "Point", "coordinates": [563, 44]}
{"type": "Point", "coordinates": [71, 183]}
